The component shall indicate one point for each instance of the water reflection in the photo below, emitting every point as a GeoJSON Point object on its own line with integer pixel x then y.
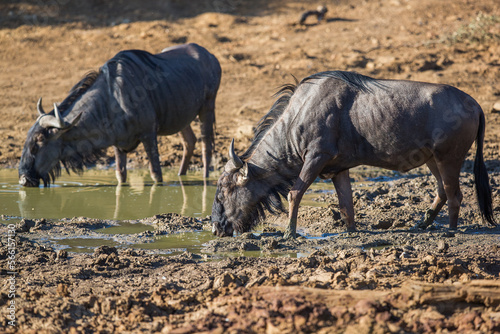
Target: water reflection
{"type": "Point", "coordinates": [191, 200]}
{"type": "Point", "coordinates": [95, 194]}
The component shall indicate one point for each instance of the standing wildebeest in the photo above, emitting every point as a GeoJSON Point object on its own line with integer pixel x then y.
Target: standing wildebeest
{"type": "Point", "coordinates": [133, 98]}
{"type": "Point", "coordinates": [333, 121]}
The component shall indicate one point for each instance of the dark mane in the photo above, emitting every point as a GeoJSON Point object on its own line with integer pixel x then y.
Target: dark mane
{"type": "Point", "coordinates": [353, 79]}
{"type": "Point", "coordinates": [272, 202]}
{"type": "Point", "coordinates": [285, 92]}
{"type": "Point", "coordinates": [78, 90]}
{"type": "Point", "coordinates": [76, 161]}
{"type": "Point", "coordinates": [265, 123]}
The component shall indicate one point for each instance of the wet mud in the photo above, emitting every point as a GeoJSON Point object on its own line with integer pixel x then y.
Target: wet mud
{"type": "Point", "coordinates": [386, 277]}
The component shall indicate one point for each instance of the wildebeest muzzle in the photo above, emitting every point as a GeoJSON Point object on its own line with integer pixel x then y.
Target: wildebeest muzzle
{"type": "Point", "coordinates": [28, 181]}
{"type": "Point", "coordinates": [222, 229]}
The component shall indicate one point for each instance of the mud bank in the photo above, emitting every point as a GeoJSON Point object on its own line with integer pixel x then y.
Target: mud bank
{"type": "Point", "coordinates": [452, 287]}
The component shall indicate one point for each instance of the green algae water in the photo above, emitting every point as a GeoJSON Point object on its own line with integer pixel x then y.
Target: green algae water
{"type": "Point", "coordinates": [95, 194]}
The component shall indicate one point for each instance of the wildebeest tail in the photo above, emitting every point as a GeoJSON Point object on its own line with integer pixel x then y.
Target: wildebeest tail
{"type": "Point", "coordinates": [483, 189]}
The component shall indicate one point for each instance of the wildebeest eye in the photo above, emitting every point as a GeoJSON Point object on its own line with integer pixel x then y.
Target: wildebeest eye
{"type": "Point", "coordinates": [40, 138]}
{"type": "Point", "coordinates": [52, 131]}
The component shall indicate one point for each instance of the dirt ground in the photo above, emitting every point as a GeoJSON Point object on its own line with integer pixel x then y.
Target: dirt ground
{"type": "Point", "coordinates": [385, 278]}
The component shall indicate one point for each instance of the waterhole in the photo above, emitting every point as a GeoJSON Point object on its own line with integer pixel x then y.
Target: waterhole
{"type": "Point", "coordinates": [96, 194]}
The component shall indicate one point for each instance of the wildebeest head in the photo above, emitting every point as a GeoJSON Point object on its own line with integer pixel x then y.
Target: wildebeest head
{"type": "Point", "coordinates": [42, 149]}
{"type": "Point", "coordinates": [242, 197]}
{"type": "Point", "coordinates": [230, 208]}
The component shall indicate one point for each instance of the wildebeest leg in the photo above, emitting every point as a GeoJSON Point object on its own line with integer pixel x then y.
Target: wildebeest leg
{"type": "Point", "coordinates": [342, 184]}
{"type": "Point", "coordinates": [207, 121]}
{"type": "Point", "coordinates": [121, 165]}
{"type": "Point", "coordinates": [188, 142]}
{"type": "Point", "coordinates": [310, 170]}
{"type": "Point", "coordinates": [150, 143]}
{"type": "Point", "coordinates": [450, 173]}
{"type": "Point", "coordinates": [440, 199]}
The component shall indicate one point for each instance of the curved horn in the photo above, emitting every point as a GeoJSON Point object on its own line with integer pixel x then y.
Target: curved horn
{"type": "Point", "coordinates": [49, 121]}
{"type": "Point", "coordinates": [58, 117]}
{"type": "Point", "coordinates": [39, 107]}
{"type": "Point", "coordinates": [236, 160]}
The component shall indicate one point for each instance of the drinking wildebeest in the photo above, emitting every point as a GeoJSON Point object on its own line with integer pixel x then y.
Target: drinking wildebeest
{"type": "Point", "coordinates": [333, 121]}
{"type": "Point", "coordinates": [133, 98]}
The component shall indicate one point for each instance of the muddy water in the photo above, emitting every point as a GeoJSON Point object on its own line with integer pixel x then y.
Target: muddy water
{"type": "Point", "coordinates": [95, 194]}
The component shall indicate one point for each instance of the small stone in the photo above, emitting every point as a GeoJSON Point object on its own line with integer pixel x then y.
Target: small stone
{"type": "Point", "coordinates": [62, 254]}
{"type": "Point", "coordinates": [442, 246]}
{"type": "Point", "coordinates": [405, 255]}
{"type": "Point", "coordinates": [496, 107]}
{"type": "Point", "coordinates": [62, 290]}
{"type": "Point", "coordinates": [25, 225]}
{"type": "Point", "coordinates": [225, 280]}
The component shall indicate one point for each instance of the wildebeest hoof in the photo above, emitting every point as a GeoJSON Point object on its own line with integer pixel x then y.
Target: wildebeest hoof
{"type": "Point", "coordinates": [290, 235]}
{"type": "Point", "coordinates": [351, 229]}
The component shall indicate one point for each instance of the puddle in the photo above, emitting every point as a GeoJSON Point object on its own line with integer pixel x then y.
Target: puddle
{"type": "Point", "coordinates": [95, 194]}
{"type": "Point", "coordinates": [177, 243]}
{"type": "Point", "coordinates": [83, 245]}
{"type": "Point", "coordinates": [126, 228]}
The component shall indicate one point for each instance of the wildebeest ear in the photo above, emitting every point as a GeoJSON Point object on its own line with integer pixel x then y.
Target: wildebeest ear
{"type": "Point", "coordinates": [77, 118]}
{"type": "Point", "coordinates": [242, 177]}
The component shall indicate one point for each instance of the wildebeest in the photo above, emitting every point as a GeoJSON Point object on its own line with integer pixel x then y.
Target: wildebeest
{"type": "Point", "coordinates": [333, 121]}
{"type": "Point", "coordinates": [134, 97]}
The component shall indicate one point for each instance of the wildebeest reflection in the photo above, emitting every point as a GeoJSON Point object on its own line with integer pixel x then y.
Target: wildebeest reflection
{"type": "Point", "coordinates": [133, 98]}
{"type": "Point", "coordinates": [333, 121]}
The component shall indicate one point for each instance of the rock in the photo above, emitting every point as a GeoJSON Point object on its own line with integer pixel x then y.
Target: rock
{"type": "Point", "coordinates": [207, 285]}
{"type": "Point", "coordinates": [496, 107]}
{"type": "Point", "coordinates": [25, 225]}
{"type": "Point", "coordinates": [405, 255]}
{"type": "Point", "coordinates": [256, 281]}
{"type": "Point", "coordinates": [249, 235]}
{"type": "Point", "coordinates": [272, 271]}
{"type": "Point", "coordinates": [366, 306]}
{"type": "Point", "coordinates": [62, 290]}
{"type": "Point", "coordinates": [225, 280]}
{"type": "Point", "coordinates": [317, 253]}
{"type": "Point", "coordinates": [62, 254]}
{"type": "Point", "coordinates": [442, 246]}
